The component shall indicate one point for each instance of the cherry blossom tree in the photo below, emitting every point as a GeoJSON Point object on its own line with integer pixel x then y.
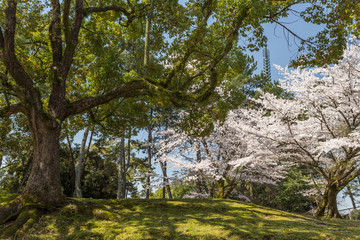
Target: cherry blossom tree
{"type": "Point", "coordinates": [318, 127]}
{"type": "Point", "coordinates": [219, 162]}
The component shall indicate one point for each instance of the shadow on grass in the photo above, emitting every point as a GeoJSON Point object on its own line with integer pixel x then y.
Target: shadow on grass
{"type": "Point", "coordinates": [182, 219]}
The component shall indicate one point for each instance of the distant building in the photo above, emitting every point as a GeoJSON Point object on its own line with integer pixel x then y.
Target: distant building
{"type": "Point", "coordinates": [267, 67]}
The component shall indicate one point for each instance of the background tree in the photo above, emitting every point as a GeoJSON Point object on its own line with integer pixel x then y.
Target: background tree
{"type": "Point", "coordinates": [319, 127]}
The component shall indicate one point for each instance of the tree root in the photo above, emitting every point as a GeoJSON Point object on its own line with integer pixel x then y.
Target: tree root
{"type": "Point", "coordinates": [21, 213]}
{"type": "Point", "coordinates": [23, 222]}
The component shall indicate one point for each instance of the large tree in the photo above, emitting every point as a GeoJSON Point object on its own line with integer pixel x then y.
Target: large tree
{"type": "Point", "coordinates": [60, 58]}
{"type": "Point", "coordinates": [319, 127]}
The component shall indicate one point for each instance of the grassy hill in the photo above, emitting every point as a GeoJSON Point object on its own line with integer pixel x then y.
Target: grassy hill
{"type": "Point", "coordinates": [181, 219]}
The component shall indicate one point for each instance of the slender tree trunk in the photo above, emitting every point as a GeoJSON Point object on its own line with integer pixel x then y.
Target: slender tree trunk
{"type": "Point", "coordinates": [128, 159]}
{"type": "Point", "coordinates": [88, 149]}
{"type": "Point", "coordinates": [72, 177]}
{"type": "Point", "coordinates": [165, 181]}
{"type": "Point", "coordinates": [147, 34]}
{"type": "Point", "coordinates": [221, 186]}
{"type": "Point", "coordinates": [146, 62]}
{"type": "Point", "coordinates": [78, 165]}
{"type": "Point", "coordinates": [121, 191]}
{"type": "Point", "coordinates": [351, 197]}
{"type": "Point", "coordinates": [148, 180]}
{"type": "Point", "coordinates": [1, 158]}
{"type": "Point", "coordinates": [198, 160]}
{"type": "Point", "coordinates": [25, 176]}
{"type": "Point", "coordinates": [328, 205]}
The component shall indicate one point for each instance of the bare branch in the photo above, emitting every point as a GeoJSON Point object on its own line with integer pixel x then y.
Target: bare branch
{"type": "Point", "coordinates": [294, 34]}
{"type": "Point", "coordinates": [272, 16]}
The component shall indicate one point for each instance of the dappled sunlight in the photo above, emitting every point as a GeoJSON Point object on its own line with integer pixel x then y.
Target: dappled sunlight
{"type": "Point", "coordinates": [182, 219]}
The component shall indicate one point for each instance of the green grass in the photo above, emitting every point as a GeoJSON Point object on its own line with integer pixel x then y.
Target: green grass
{"type": "Point", "coordinates": [182, 219]}
{"type": "Point", "coordinates": [6, 197]}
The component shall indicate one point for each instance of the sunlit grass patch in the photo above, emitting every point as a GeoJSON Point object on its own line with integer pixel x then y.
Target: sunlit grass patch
{"type": "Point", "coordinates": [182, 219]}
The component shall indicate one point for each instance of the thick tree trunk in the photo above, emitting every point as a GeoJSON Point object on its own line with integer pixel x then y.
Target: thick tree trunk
{"type": "Point", "coordinates": [44, 180]}
{"type": "Point", "coordinates": [121, 191]}
{"type": "Point", "coordinates": [78, 165]}
{"type": "Point", "coordinates": [328, 205]}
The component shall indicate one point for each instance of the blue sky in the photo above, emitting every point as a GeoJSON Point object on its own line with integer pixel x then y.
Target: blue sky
{"type": "Point", "coordinates": [282, 45]}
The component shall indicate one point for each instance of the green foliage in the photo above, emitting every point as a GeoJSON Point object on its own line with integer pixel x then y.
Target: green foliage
{"type": "Point", "coordinates": [6, 197]}
{"type": "Point", "coordinates": [290, 192]}
{"type": "Point", "coordinates": [178, 191]}
{"type": "Point", "coordinates": [286, 195]}
{"type": "Point", "coordinates": [355, 215]}
{"type": "Point", "coordinates": [98, 177]}
{"type": "Point", "coordinates": [16, 148]}
{"type": "Point", "coordinates": [100, 172]}
{"type": "Point", "coordinates": [341, 20]}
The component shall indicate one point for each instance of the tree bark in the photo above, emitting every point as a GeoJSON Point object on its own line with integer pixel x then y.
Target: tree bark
{"type": "Point", "coordinates": [128, 159]}
{"type": "Point", "coordinates": [121, 191]}
{"type": "Point", "coordinates": [198, 160]}
{"type": "Point", "coordinates": [44, 180]}
{"type": "Point", "coordinates": [166, 187]}
{"type": "Point", "coordinates": [78, 165]}
{"type": "Point", "coordinates": [164, 182]}
{"type": "Point", "coordinates": [328, 205]}
{"type": "Point", "coordinates": [149, 158]}
{"type": "Point", "coordinates": [147, 35]}
{"type": "Point", "coordinates": [146, 61]}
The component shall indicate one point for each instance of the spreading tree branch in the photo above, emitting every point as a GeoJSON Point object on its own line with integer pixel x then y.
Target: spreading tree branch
{"type": "Point", "coordinates": [11, 109]}
{"type": "Point", "coordinates": [9, 58]}
{"type": "Point", "coordinates": [90, 10]}
{"type": "Point", "coordinates": [131, 89]}
{"type": "Point", "coordinates": [72, 38]}
{"type": "Point", "coordinates": [201, 26]}
{"type": "Point", "coordinates": [65, 20]}
{"type": "Point", "coordinates": [55, 32]}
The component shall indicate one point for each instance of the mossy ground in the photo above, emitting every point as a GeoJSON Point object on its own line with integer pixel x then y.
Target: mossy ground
{"type": "Point", "coordinates": [182, 219]}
